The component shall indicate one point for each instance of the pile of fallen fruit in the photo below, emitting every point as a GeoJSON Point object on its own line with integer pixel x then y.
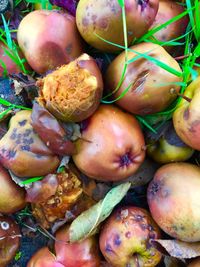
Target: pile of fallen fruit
{"type": "Point", "coordinates": [100, 132]}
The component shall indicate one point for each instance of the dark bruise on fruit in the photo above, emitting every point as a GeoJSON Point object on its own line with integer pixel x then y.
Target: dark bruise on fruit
{"type": "Point", "coordinates": [126, 160]}
{"type": "Point", "coordinates": [50, 131]}
{"type": "Point", "coordinates": [23, 152]}
{"type": "Point", "coordinates": [9, 240]}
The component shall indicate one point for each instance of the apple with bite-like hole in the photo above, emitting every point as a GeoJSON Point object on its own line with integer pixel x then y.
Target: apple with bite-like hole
{"type": "Point", "coordinates": [125, 238]}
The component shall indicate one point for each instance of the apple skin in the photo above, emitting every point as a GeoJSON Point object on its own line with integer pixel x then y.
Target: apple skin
{"type": "Point", "coordinates": [44, 47]}
{"type": "Point", "coordinates": [125, 238]}
{"type": "Point", "coordinates": [172, 197]}
{"type": "Point", "coordinates": [12, 196]}
{"type": "Point", "coordinates": [166, 11]}
{"type": "Point", "coordinates": [167, 147]}
{"type": "Point", "coordinates": [149, 85]}
{"type": "Point", "coordinates": [82, 254]}
{"type": "Point", "coordinates": [104, 18]}
{"type": "Point", "coordinates": [44, 258]}
{"type": "Point", "coordinates": [9, 240]}
{"type": "Point", "coordinates": [186, 117]}
{"type": "Point", "coordinates": [111, 147]}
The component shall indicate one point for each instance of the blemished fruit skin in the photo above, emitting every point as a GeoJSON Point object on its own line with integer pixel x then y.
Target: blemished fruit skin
{"type": "Point", "coordinates": [166, 11]}
{"type": "Point", "coordinates": [125, 238]}
{"type": "Point", "coordinates": [173, 197]}
{"type": "Point", "coordinates": [111, 147]}
{"type": "Point", "coordinates": [52, 42]}
{"type": "Point", "coordinates": [147, 86]}
{"type": "Point", "coordinates": [103, 19]}
{"type": "Point", "coordinates": [12, 196]}
{"type": "Point", "coordinates": [186, 117]}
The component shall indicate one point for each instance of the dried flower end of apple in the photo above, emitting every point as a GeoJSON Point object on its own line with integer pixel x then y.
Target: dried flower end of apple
{"type": "Point", "coordinates": [73, 91]}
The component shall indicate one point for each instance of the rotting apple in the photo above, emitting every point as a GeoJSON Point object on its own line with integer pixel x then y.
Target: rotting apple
{"type": "Point", "coordinates": [149, 84]}
{"type": "Point", "coordinates": [125, 238]}
{"type": "Point", "coordinates": [23, 152]}
{"type": "Point", "coordinates": [173, 197]}
{"type": "Point", "coordinates": [104, 18]}
{"type": "Point", "coordinates": [50, 131]}
{"type": "Point", "coordinates": [111, 147]}
{"type": "Point", "coordinates": [73, 91]}
{"type": "Point", "coordinates": [44, 47]}
{"type": "Point", "coordinates": [83, 254]}
{"type": "Point", "coordinates": [186, 117]}
{"type": "Point", "coordinates": [9, 240]}
{"type": "Point", "coordinates": [12, 197]}
{"type": "Point", "coordinates": [166, 11]}
{"type": "Point", "coordinates": [166, 146]}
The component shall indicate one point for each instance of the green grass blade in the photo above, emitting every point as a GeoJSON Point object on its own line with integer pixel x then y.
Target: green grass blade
{"type": "Point", "coordinates": [7, 32]}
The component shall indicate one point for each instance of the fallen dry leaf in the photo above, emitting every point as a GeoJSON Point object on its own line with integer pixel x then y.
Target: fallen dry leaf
{"type": "Point", "coordinates": [178, 249]}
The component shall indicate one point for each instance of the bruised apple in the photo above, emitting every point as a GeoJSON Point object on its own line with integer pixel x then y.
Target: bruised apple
{"type": "Point", "coordinates": [104, 18]}
{"type": "Point", "coordinates": [111, 147]}
{"type": "Point", "coordinates": [9, 240]}
{"type": "Point", "coordinates": [23, 152]}
{"type": "Point", "coordinates": [186, 117]}
{"type": "Point", "coordinates": [73, 91]}
{"type": "Point", "coordinates": [49, 39]}
{"type": "Point", "coordinates": [82, 254]}
{"type": "Point", "coordinates": [50, 131]}
{"type": "Point", "coordinates": [166, 11]}
{"type": "Point", "coordinates": [125, 238]}
{"type": "Point", "coordinates": [149, 85]}
{"type": "Point", "coordinates": [173, 197]}
{"type": "Point", "coordinates": [12, 197]}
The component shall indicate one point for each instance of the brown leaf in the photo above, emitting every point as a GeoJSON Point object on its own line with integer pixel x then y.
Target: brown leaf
{"type": "Point", "coordinates": [178, 249]}
{"type": "Point", "coordinates": [173, 262]}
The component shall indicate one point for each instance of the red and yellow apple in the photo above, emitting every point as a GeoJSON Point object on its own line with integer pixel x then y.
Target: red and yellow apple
{"type": "Point", "coordinates": [186, 117]}
{"type": "Point", "coordinates": [9, 240]}
{"type": "Point", "coordinates": [49, 39]}
{"type": "Point", "coordinates": [173, 197]}
{"type": "Point", "coordinates": [125, 238]}
{"type": "Point", "coordinates": [104, 19]}
{"type": "Point", "coordinates": [111, 147]}
{"type": "Point", "coordinates": [149, 85]}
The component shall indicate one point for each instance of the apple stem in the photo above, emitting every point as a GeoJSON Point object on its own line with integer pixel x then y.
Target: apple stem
{"type": "Point", "coordinates": [182, 57]}
{"type": "Point", "coordinates": [173, 91]}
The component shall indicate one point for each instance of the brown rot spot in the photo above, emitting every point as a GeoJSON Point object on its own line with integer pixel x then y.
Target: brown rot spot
{"type": "Point", "coordinates": [108, 248]}
{"type": "Point", "coordinates": [28, 141]}
{"type": "Point", "coordinates": [143, 226]}
{"type": "Point", "coordinates": [85, 22]}
{"type": "Point", "coordinates": [152, 235]}
{"type": "Point", "coordinates": [143, 4]}
{"type": "Point", "coordinates": [94, 18]}
{"type": "Point", "coordinates": [103, 23]}
{"type": "Point", "coordinates": [117, 240]}
{"type": "Point", "coordinates": [128, 234]}
{"type": "Point", "coordinates": [186, 114]}
{"type": "Point", "coordinates": [138, 217]}
{"type": "Point", "coordinates": [27, 132]}
{"type": "Point", "coordinates": [22, 123]}
{"type": "Point", "coordinates": [154, 188]}
{"type": "Point", "coordinates": [84, 124]}
{"type": "Point", "coordinates": [69, 49]}
{"type": "Point", "coordinates": [11, 154]}
{"type": "Point", "coordinates": [195, 126]}
{"type": "Point", "coordinates": [25, 148]}
{"type": "Point", "coordinates": [125, 160]}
